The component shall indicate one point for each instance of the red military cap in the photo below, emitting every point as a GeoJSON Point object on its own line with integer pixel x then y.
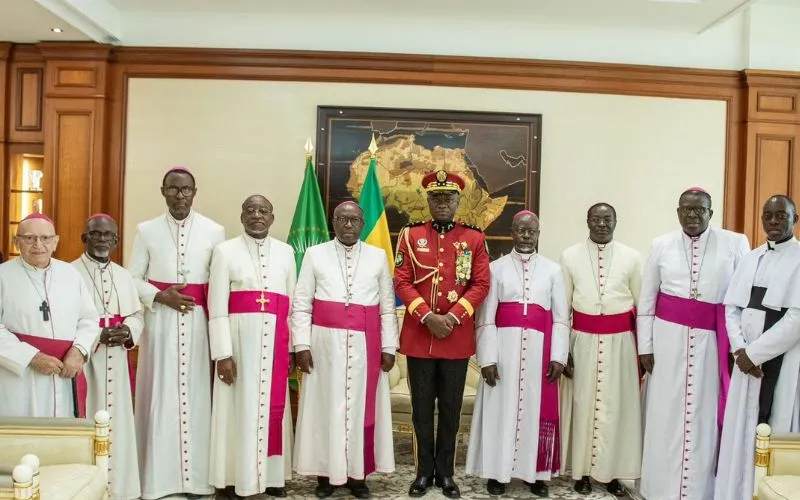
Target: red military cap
{"type": "Point", "coordinates": [441, 180]}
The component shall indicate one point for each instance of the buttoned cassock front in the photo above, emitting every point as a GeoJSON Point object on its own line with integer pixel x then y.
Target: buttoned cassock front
{"type": "Point", "coordinates": [426, 281]}
{"type": "Point", "coordinates": [173, 380]}
{"type": "Point", "coordinates": [242, 453]}
{"type": "Point", "coordinates": [108, 371]}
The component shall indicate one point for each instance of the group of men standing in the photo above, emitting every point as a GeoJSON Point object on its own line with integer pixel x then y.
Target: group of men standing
{"type": "Point", "coordinates": [563, 348]}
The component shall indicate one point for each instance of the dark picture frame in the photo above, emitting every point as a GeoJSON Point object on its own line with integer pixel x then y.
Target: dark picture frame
{"type": "Point", "coordinates": [501, 152]}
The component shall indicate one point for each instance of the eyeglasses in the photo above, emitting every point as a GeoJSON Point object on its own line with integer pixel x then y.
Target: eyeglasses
{"type": "Point", "coordinates": [698, 211]}
{"type": "Point", "coordinates": [526, 232]}
{"type": "Point", "coordinates": [98, 235]}
{"type": "Point", "coordinates": [30, 239]}
{"type": "Point", "coordinates": [262, 211]}
{"type": "Point", "coordinates": [185, 190]}
{"type": "Point", "coordinates": [355, 221]}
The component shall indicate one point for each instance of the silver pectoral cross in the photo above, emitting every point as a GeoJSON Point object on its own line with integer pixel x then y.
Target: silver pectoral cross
{"type": "Point", "coordinates": [182, 275]}
{"type": "Point", "coordinates": [695, 294]}
{"type": "Point", "coordinates": [347, 298]}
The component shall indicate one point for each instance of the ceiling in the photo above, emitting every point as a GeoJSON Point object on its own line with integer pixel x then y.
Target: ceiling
{"type": "Point", "coordinates": [681, 15]}
{"type": "Point", "coordinates": [25, 21]}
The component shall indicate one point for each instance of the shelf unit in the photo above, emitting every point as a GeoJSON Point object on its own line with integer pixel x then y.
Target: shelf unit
{"type": "Point", "coordinates": [26, 189]}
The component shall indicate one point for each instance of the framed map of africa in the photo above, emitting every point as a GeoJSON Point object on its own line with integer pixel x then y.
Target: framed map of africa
{"type": "Point", "coordinates": [497, 154]}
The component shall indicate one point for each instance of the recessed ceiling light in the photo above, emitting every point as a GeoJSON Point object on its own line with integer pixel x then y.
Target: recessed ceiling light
{"type": "Point", "coordinates": [56, 30]}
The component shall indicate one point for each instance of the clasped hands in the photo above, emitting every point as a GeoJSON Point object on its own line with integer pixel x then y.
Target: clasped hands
{"type": "Point", "coordinates": [115, 336]}
{"type": "Point", "coordinates": [440, 325]}
{"type": "Point", "coordinates": [306, 363]}
{"type": "Point", "coordinates": [745, 364]}
{"type": "Point", "coordinates": [71, 366]}
{"type": "Point", "coordinates": [491, 375]}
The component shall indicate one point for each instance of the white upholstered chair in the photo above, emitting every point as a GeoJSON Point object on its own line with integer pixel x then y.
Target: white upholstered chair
{"type": "Point", "coordinates": [54, 458]}
{"type": "Point", "coordinates": [777, 467]}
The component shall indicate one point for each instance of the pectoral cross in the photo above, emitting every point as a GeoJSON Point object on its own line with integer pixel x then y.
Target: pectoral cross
{"type": "Point", "coordinates": [262, 300]}
{"type": "Point", "coordinates": [347, 298]}
{"type": "Point", "coordinates": [182, 273]}
{"type": "Point", "coordinates": [45, 308]}
{"type": "Point", "coordinates": [695, 294]}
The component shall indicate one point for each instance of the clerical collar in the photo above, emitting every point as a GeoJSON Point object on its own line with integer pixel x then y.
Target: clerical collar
{"type": "Point", "coordinates": [30, 267]}
{"type": "Point", "coordinates": [182, 221]}
{"type": "Point", "coordinates": [346, 247]}
{"type": "Point", "coordinates": [524, 257]}
{"type": "Point", "coordinates": [700, 236]}
{"type": "Point", "coordinates": [257, 241]}
{"type": "Point", "coordinates": [96, 262]}
{"type": "Point", "coordinates": [443, 227]}
{"type": "Point", "coordinates": [600, 245]}
{"type": "Point", "coordinates": [782, 245]}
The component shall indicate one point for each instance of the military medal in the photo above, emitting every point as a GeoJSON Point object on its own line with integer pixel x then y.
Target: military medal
{"type": "Point", "coordinates": [463, 263]}
{"type": "Point", "coordinates": [452, 296]}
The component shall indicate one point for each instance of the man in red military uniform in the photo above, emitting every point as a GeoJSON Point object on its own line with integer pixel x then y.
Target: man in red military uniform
{"type": "Point", "coordinates": [442, 276]}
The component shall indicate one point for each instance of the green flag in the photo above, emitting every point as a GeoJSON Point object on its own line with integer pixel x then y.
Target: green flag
{"type": "Point", "coordinates": [309, 226]}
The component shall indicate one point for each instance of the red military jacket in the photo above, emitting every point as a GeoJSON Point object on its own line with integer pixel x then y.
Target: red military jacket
{"type": "Point", "coordinates": [440, 268]}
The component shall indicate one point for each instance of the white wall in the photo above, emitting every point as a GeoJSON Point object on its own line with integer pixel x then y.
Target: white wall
{"type": "Point", "coordinates": [774, 37]}
{"type": "Point", "coordinates": [245, 137]}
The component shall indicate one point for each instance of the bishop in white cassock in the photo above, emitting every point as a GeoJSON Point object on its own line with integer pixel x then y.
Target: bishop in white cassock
{"type": "Point", "coordinates": [170, 264]}
{"type": "Point", "coordinates": [48, 327]}
{"type": "Point", "coordinates": [108, 373]}
{"type": "Point", "coordinates": [602, 279]}
{"type": "Point", "coordinates": [684, 348]}
{"type": "Point", "coordinates": [344, 329]}
{"type": "Point", "coordinates": [522, 348]}
{"type": "Point", "coordinates": [252, 281]}
{"type": "Point", "coordinates": [763, 311]}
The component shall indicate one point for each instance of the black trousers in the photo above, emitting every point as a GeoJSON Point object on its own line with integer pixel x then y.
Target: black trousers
{"type": "Point", "coordinates": [441, 381]}
{"type": "Point", "coordinates": [771, 369]}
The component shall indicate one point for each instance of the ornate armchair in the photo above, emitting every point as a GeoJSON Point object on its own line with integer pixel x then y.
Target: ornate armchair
{"type": "Point", "coordinates": [777, 465]}
{"type": "Point", "coordinates": [54, 458]}
{"type": "Point", "coordinates": [401, 397]}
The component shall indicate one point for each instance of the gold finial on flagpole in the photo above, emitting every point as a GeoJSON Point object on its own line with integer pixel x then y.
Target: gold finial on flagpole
{"type": "Point", "coordinates": [373, 147]}
{"type": "Point", "coordinates": [309, 147]}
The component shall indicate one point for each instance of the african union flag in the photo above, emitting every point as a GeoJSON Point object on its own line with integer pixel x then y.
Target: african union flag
{"type": "Point", "coordinates": [376, 229]}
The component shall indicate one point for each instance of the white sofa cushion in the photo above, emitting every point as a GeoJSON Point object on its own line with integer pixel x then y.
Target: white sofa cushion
{"type": "Point", "coordinates": [779, 488]}
{"type": "Point", "coordinates": [71, 482]}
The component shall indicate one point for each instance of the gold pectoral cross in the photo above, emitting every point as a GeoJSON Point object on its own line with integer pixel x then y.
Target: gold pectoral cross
{"type": "Point", "coordinates": [695, 294]}
{"type": "Point", "coordinates": [262, 300]}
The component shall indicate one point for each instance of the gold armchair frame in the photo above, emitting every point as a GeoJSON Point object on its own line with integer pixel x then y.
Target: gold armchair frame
{"type": "Point", "coordinates": [775, 455]}
{"type": "Point", "coordinates": [77, 441]}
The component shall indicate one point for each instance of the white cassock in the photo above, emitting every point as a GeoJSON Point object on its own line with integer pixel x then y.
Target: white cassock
{"type": "Point", "coordinates": [602, 284]}
{"type": "Point", "coordinates": [684, 280]}
{"type": "Point", "coordinates": [251, 421]}
{"type": "Point", "coordinates": [344, 423]}
{"type": "Point", "coordinates": [763, 311]}
{"type": "Point", "coordinates": [108, 374]}
{"type": "Point", "coordinates": [515, 427]}
{"type": "Point", "coordinates": [173, 379]}
{"type": "Point", "coordinates": [72, 319]}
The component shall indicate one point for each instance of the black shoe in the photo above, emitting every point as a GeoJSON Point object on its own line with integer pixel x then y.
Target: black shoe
{"type": "Point", "coordinates": [194, 496]}
{"type": "Point", "coordinates": [420, 486]}
{"type": "Point", "coordinates": [276, 492]}
{"type": "Point", "coordinates": [616, 489]}
{"type": "Point", "coordinates": [540, 489]}
{"type": "Point", "coordinates": [358, 488]}
{"type": "Point", "coordinates": [324, 487]}
{"type": "Point", "coordinates": [583, 486]}
{"type": "Point", "coordinates": [495, 487]}
{"type": "Point", "coordinates": [449, 487]}
{"type": "Point", "coordinates": [229, 493]}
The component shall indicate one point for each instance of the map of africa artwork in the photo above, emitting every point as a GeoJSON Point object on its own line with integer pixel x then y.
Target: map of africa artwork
{"type": "Point", "coordinates": [497, 155]}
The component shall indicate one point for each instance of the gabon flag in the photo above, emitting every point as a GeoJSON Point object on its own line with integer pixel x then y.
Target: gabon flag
{"type": "Point", "coordinates": [376, 228]}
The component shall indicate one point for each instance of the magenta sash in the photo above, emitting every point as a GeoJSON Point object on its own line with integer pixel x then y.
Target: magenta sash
{"type": "Point", "coordinates": [114, 321]}
{"type": "Point", "coordinates": [604, 324]}
{"type": "Point", "coordinates": [198, 291]}
{"type": "Point", "coordinates": [703, 316]}
{"type": "Point", "coordinates": [365, 319]}
{"type": "Point", "coordinates": [248, 302]}
{"type": "Point", "coordinates": [511, 315]}
{"type": "Point", "coordinates": [58, 348]}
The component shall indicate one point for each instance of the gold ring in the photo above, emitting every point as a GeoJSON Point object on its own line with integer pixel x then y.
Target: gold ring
{"type": "Point", "coordinates": [183, 308]}
{"type": "Point", "coordinates": [221, 377]}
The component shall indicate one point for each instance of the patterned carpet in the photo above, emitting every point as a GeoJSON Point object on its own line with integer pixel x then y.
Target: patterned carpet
{"type": "Point", "coordinates": [396, 485]}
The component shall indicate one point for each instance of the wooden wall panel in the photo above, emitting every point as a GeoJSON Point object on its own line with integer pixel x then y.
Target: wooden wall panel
{"type": "Point", "coordinates": [5, 52]}
{"type": "Point", "coordinates": [27, 100]}
{"type": "Point", "coordinates": [73, 158]}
